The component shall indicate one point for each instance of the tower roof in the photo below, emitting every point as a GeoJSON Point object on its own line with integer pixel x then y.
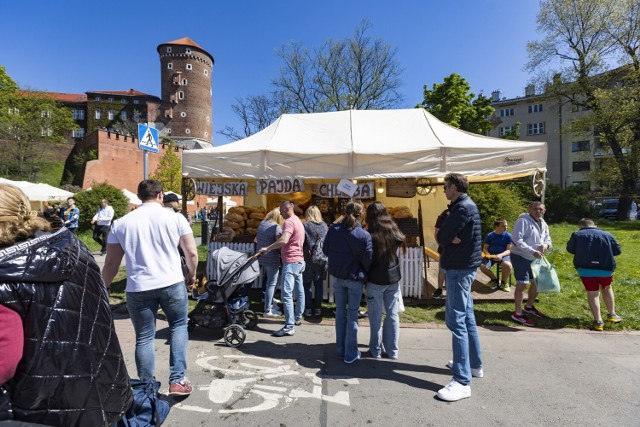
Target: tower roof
{"type": "Point", "coordinates": [185, 41]}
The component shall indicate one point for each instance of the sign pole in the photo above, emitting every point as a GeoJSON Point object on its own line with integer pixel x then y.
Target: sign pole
{"type": "Point", "coordinates": [145, 157]}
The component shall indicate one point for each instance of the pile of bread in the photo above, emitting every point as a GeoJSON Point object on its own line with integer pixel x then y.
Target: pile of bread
{"type": "Point", "coordinates": [243, 220]}
{"type": "Point", "coordinates": [400, 212]}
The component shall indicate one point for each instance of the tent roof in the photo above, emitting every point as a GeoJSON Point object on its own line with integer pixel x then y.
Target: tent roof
{"type": "Point", "coordinates": [366, 144]}
{"type": "Point", "coordinates": [39, 192]}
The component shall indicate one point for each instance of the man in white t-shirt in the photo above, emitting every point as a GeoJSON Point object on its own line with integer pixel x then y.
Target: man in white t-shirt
{"type": "Point", "coordinates": [149, 237]}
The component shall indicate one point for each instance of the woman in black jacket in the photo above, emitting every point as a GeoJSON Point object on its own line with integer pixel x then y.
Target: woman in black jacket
{"type": "Point", "coordinates": [383, 290]}
{"type": "Point", "coordinates": [315, 270]}
{"type": "Point", "coordinates": [71, 371]}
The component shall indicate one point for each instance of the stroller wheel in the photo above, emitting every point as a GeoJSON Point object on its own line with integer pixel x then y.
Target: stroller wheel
{"type": "Point", "coordinates": [249, 319]}
{"type": "Point", "coordinates": [234, 336]}
{"type": "Point", "coordinates": [191, 325]}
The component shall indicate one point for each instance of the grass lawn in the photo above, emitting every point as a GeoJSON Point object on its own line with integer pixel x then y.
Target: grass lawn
{"type": "Point", "coordinates": [568, 309]}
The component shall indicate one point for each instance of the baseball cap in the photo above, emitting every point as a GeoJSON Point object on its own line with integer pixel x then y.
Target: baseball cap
{"type": "Point", "coordinates": [171, 197]}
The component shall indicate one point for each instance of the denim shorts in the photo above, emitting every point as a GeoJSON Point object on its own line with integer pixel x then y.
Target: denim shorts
{"type": "Point", "coordinates": [521, 269]}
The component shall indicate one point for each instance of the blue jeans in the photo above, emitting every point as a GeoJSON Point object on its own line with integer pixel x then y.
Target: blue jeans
{"type": "Point", "coordinates": [292, 281]}
{"type": "Point", "coordinates": [272, 272]}
{"type": "Point", "coordinates": [461, 321]}
{"type": "Point", "coordinates": [317, 286]}
{"type": "Point", "coordinates": [379, 297]}
{"type": "Point", "coordinates": [347, 295]}
{"type": "Point", "coordinates": [143, 310]}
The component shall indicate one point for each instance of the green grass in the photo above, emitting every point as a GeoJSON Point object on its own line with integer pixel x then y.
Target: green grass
{"type": "Point", "coordinates": [568, 309]}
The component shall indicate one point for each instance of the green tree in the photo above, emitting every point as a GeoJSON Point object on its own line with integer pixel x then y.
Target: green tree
{"type": "Point", "coordinates": [496, 201]}
{"type": "Point", "coordinates": [27, 117]}
{"type": "Point", "coordinates": [452, 103]}
{"type": "Point", "coordinates": [169, 170]}
{"type": "Point", "coordinates": [88, 201]}
{"type": "Point", "coordinates": [581, 38]}
{"type": "Point", "coordinates": [355, 73]}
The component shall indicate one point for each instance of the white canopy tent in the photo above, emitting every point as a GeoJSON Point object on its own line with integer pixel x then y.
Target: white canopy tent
{"type": "Point", "coordinates": [39, 193]}
{"type": "Point", "coordinates": [133, 197]}
{"type": "Point", "coordinates": [367, 144]}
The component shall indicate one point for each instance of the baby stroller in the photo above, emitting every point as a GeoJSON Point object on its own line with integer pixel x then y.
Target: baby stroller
{"type": "Point", "coordinates": [226, 304]}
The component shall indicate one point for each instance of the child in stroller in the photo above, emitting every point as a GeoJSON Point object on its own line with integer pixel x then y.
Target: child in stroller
{"type": "Point", "coordinates": [226, 303]}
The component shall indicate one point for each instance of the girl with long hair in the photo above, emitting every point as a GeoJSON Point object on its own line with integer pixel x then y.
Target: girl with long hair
{"type": "Point", "coordinates": [315, 271]}
{"type": "Point", "coordinates": [348, 247]}
{"type": "Point", "coordinates": [383, 290]}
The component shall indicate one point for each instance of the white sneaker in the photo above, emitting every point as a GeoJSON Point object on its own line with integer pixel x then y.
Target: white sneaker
{"type": "Point", "coordinates": [477, 373]}
{"type": "Point", "coordinates": [271, 313]}
{"type": "Point", "coordinates": [454, 391]}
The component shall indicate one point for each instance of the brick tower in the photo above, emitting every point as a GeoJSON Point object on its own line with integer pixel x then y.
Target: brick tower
{"type": "Point", "coordinates": [186, 107]}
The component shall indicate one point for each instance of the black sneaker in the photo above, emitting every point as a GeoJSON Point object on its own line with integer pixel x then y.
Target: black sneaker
{"type": "Point", "coordinates": [438, 293]}
{"type": "Point", "coordinates": [283, 332]}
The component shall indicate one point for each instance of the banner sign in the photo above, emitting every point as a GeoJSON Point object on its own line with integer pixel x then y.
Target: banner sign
{"type": "Point", "coordinates": [362, 191]}
{"type": "Point", "coordinates": [221, 188]}
{"type": "Point", "coordinates": [279, 186]}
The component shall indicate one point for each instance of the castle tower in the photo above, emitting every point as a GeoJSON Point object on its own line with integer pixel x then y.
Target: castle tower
{"type": "Point", "coordinates": [186, 107]}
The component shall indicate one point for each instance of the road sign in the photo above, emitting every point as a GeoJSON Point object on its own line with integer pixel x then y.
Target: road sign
{"type": "Point", "coordinates": [147, 138]}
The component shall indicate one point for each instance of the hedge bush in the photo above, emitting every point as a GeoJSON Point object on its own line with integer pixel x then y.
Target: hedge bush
{"type": "Point", "coordinates": [88, 202]}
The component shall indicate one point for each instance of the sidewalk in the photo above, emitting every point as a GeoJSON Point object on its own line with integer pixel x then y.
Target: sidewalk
{"type": "Point", "coordinates": [532, 377]}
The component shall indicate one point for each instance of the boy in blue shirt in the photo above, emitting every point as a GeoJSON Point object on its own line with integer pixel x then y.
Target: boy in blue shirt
{"type": "Point", "coordinates": [496, 248]}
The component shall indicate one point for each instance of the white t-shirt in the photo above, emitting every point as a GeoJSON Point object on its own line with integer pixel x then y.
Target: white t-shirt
{"type": "Point", "coordinates": [150, 236]}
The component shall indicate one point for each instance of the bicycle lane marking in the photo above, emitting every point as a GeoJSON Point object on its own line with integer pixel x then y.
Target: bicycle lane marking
{"type": "Point", "coordinates": [251, 381]}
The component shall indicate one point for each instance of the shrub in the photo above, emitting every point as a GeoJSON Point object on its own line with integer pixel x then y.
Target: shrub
{"type": "Point", "coordinates": [495, 201]}
{"type": "Point", "coordinates": [568, 205]}
{"type": "Point", "coordinates": [89, 201]}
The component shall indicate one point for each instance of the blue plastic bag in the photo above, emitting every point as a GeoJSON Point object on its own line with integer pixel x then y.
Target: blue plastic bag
{"type": "Point", "coordinates": [147, 409]}
{"type": "Point", "coordinates": [545, 275]}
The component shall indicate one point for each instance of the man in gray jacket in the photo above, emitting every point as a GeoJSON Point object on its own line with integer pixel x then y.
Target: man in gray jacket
{"type": "Point", "coordinates": [530, 240]}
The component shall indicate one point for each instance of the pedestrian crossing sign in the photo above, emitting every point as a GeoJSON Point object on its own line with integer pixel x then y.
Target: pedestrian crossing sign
{"type": "Point", "coordinates": [147, 138]}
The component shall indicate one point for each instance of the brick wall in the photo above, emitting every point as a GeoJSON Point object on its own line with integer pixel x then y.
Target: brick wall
{"type": "Point", "coordinates": [120, 162]}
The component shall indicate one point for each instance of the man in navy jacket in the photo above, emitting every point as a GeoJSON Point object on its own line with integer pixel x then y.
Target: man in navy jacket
{"type": "Point", "coordinates": [594, 251]}
{"type": "Point", "coordinates": [461, 239]}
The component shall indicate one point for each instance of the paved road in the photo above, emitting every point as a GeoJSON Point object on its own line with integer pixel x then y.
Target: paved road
{"type": "Point", "coordinates": [532, 378]}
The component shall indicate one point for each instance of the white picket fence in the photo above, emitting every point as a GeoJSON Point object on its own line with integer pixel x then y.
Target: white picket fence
{"type": "Point", "coordinates": [411, 267]}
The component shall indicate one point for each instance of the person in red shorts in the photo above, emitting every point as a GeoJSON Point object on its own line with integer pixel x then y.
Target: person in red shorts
{"type": "Point", "coordinates": [593, 257]}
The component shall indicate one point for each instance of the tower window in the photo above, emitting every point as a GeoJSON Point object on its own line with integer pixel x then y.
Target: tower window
{"type": "Point", "coordinates": [184, 82]}
{"type": "Point", "coordinates": [187, 131]}
{"type": "Point", "coordinates": [170, 66]}
{"type": "Point", "coordinates": [180, 94]}
{"type": "Point", "coordinates": [169, 49]}
{"type": "Point", "coordinates": [188, 50]}
{"type": "Point", "coordinates": [183, 114]}
{"type": "Point", "coordinates": [189, 67]}
{"type": "Point", "coordinates": [206, 72]}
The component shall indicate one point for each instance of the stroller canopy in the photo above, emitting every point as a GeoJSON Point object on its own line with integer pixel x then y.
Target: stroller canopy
{"type": "Point", "coordinates": [229, 269]}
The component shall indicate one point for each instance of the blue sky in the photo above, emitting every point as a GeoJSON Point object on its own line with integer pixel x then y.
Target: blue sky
{"type": "Point", "coordinates": [78, 45]}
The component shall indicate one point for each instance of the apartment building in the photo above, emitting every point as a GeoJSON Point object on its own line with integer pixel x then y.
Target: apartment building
{"type": "Point", "coordinates": [570, 157]}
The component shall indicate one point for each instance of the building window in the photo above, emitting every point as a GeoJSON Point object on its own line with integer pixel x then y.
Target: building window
{"type": "Point", "coordinates": [110, 100]}
{"type": "Point", "coordinates": [98, 114]}
{"type": "Point", "coordinates": [78, 133]}
{"type": "Point", "coordinates": [136, 115]}
{"type": "Point", "coordinates": [180, 94]}
{"type": "Point", "coordinates": [505, 130]}
{"type": "Point", "coordinates": [206, 72]}
{"type": "Point", "coordinates": [187, 131]}
{"type": "Point", "coordinates": [506, 112]}
{"type": "Point", "coordinates": [98, 98]}
{"type": "Point", "coordinates": [136, 101]}
{"type": "Point", "coordinates": [183, 82]}
{"type": "Point", "coordinates": [535, 128]}
{"type": "Point", "coordinates": [14, 111]}
{"type": "Point", "coordinates": [45, 114]}
{"type": "Point", "coordinates": [112, 114]}
{"type": "Point", "coordinates": [46, 131]}
{"type": "Point", "coordinates": [170, 65]}
{"type": "Point", "coordinates": [123, 101]}
{"type": "Point", "coordinates": [188, 51]}
{"type": "Point", "coordinates": [581, 166]}
{"type": "Point", "coordinates": [535, 108]}
{"type": "Point", "coordinates": [169, 49]}
{"type": "Point", "coordinates": [580, 146]}
{"type": "Point", "coordinates": [123, 115]}
{"type": "Point", "coordinates": [78, 114]}
{"type": "Point", "coordinates": [189, 67]}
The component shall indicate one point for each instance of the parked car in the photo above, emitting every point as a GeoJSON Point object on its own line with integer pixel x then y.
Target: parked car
{"type": "Point", "coordinates": [609, 208]}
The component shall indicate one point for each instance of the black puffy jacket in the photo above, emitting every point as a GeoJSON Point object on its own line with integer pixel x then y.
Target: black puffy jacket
{"type": "Point", "coordinates": [72, 372]}
{"type": "Point", "coordinates": [463, 222]}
